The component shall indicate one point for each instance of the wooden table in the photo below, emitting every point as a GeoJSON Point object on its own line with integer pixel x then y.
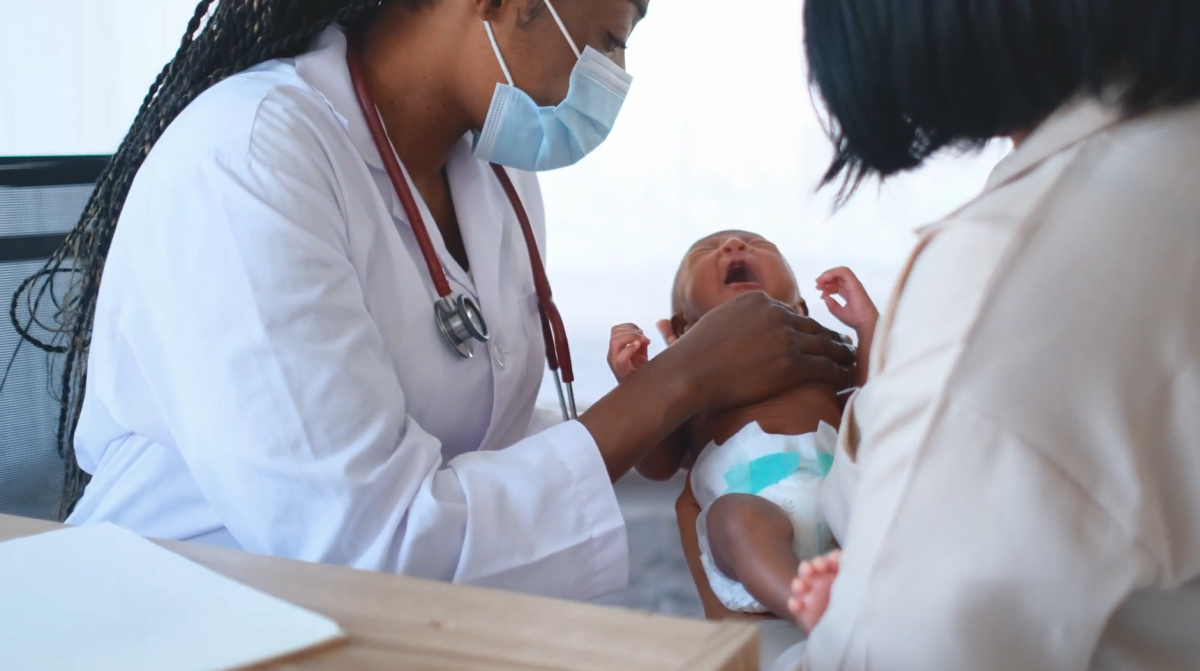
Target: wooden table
{"type": "Point", "coordinates": [395, 622]}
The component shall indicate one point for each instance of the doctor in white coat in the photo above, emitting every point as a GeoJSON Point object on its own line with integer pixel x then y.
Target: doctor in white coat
{"type": "Point", "coordinates": [265, 371]}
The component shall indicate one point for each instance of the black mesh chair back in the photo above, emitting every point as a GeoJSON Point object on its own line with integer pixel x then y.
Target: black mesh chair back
{"type": "Point", "coordinates": [41, 199]}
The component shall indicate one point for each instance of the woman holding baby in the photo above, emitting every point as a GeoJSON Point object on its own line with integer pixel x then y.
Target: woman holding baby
{"type": "Point", "coordinates": [1017, 486]}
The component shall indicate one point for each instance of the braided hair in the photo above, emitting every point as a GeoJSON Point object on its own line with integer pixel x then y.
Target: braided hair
{"type": "Point", "coordinates": [224, 37]}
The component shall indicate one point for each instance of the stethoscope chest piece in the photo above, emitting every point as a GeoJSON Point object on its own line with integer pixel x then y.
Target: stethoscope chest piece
{"type": "Point", "coordinates": [461, 323]}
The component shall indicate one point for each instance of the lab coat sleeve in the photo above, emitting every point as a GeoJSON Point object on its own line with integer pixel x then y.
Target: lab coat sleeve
{"type": "Point", "coordinates": [544, 418]}
{"type": "Point", "coordinates": [277, 390]}
{"type": "Point", "coordinates": [972, 550]}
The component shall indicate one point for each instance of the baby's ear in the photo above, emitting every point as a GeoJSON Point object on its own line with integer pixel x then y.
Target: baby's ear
{"type": "Point", "coordinates": [674, 328]}
{"type": "Point", "coordinates": [802, 307]}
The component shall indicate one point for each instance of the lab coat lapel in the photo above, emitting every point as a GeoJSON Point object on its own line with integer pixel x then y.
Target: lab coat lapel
{"type": "Point", "coordinates": [325, 69]}
{"type": "Point", "coordinates": [483, 211]}
{"type": "Point", "coordinates": [483, 214]}
{"type": "Point", "coordinates": [483, 217]}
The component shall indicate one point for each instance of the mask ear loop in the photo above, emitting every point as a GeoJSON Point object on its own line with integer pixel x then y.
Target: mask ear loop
{"type": "Point", "coordinates": [563, 27]}
{"type": "Point", "coordinates": [487, 25]}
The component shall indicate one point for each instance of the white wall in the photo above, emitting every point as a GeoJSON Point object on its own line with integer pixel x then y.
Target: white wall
{"type": "Point", "coordinates": [718, 133]}
{"type": "Point", "coordinates": [73, 72]}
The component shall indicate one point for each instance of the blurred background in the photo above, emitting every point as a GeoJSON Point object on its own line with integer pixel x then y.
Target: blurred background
{"type": "Point", "coordinates": [719, 132]}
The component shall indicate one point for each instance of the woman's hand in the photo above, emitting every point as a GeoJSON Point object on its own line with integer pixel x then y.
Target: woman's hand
{"type": "Point", "coordinates": [687, 510]}
{"type": "Point", "coordinates": [628, 350]}
{"type": "Point", "coordinates": [752, 348]}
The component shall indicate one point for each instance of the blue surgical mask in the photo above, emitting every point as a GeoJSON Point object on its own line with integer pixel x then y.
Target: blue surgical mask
{"type": "Point", "coordinates": [519, 134]}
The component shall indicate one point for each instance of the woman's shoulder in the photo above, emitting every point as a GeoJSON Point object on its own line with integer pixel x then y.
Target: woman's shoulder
{"type": "Point", "coordinates": [267, 111]}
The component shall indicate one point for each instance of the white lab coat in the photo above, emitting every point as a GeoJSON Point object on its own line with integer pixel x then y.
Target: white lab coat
{"type": "Point", "coordinates": [266, 373]}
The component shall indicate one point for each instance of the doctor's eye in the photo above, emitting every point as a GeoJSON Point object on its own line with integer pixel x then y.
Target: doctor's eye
{"type": "Point", "coordinates": [615, 44]}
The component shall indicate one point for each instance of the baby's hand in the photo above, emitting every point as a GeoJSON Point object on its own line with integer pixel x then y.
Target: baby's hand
{"type": "Point", "coordinates": [627, 350]}
{"type": "Point", "coordinates": [859, 312]}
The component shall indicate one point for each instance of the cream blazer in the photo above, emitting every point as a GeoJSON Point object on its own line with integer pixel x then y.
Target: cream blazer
{"type": "Point", "coordinates": [1019, 483]}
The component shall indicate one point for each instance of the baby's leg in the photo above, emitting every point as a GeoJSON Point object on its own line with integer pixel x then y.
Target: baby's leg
{"type": "Point", "coordinates": [810, 589]}
{"type": "Point", "coordinates": [751, 542]}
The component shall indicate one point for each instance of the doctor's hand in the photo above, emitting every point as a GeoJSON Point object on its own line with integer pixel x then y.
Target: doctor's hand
{"type": "Point", "coordinates": [754, 347]}
{"type": "Point", "coordinates": [628, 350]}
{"type": "Point", "coordinates": [749, 349]}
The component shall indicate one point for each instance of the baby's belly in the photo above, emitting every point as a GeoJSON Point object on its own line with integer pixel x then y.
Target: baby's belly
{"type": "Point", "coordinates": [796, 412]}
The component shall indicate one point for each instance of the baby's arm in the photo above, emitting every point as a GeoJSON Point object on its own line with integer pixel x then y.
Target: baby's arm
{"type": "Point", "coordinates": [859, 313]}
{"type": "Point", "coordinates": [627, 351]}
{"type": "Point", "coordinates": [664, 461]}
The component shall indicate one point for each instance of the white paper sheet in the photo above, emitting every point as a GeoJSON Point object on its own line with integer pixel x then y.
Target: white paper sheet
{"type": "Point", "coordinates": [104, 599]}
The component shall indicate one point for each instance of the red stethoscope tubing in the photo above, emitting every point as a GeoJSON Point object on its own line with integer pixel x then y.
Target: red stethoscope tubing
{"type": "Point", "coordinates": [558, 351]}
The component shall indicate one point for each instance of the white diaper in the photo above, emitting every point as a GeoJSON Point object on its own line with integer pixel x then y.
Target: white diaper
{"type": "Point", "coordinates": [785, 470]}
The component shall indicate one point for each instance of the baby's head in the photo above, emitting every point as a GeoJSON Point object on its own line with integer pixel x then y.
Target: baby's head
{"type": "Point", "coordinates": [724, 265]}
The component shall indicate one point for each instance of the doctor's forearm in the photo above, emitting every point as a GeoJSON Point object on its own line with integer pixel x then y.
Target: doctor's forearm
{"type": "Point", "coordinates": [638, 415]}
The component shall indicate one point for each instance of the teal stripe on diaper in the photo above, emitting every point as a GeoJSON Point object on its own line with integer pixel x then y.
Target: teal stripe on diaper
{"type": "Point", "coordinates": [756, 475]}
{"type": "Point", "coordinates": [824, 462]}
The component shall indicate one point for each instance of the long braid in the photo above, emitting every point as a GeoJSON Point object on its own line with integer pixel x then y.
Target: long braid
{"type": "Point", "coordinates": [223, 38]}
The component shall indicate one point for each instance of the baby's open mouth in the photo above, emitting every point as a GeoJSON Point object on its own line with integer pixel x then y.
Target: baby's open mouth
{"type": "Point", "coordinates": [739, 273]}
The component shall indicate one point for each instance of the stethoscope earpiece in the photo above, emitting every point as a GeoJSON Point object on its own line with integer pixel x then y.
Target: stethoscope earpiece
{"type": "Point", "coordinates": [461, 323]}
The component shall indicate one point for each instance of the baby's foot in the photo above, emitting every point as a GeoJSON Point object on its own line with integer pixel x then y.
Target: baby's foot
{"type": "Point", "coordinates": [810, 589]}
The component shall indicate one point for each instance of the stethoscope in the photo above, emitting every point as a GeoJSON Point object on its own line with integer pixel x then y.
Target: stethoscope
{"type": "Point", "coordinates": [458, 316]}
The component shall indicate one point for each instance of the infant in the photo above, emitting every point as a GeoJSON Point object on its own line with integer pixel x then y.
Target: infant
{"type": "Point", "coordinates": [756, 471]}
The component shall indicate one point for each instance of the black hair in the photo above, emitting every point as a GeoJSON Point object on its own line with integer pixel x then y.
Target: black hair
{"type": "Point", "coordinates": [903, 79]}
{"type": "Point", "coordinates": [223, 38]}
